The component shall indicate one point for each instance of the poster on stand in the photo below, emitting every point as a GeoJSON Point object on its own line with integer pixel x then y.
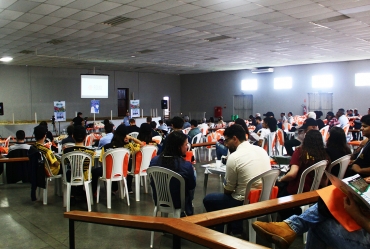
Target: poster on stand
{"type": "Point", "coordinates": [60, 111]}
{"type": "Point", "coordinates": [135, 108]}
{"type": "Point", "coordinates": [95, 106]}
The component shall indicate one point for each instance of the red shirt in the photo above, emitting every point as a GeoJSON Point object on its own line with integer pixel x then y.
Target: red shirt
{"type": "Point", "coordinates": [294, 184]}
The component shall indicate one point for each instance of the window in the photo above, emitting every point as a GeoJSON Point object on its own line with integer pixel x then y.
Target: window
{"type": "Point", "coordinates": [322, 81]}
{"type": "Point", "coordinates": [362, 79]}
{"type": "Point", "coordinates": [283, 83]}
{"type": "Point", "coordinates": [249, 84]}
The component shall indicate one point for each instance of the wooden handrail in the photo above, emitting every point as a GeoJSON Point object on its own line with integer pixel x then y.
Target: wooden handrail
{"type": "Point", "coordinates": [178, 227]}
{"type": "Point", "coordinates": [14, 159]}
{"type": "Point", "coordinates": [203, 144]}
{"type": "Point", "coordinates": [252, 210]}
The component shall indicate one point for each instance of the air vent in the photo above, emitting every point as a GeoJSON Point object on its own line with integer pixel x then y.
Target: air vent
{"type": "Point", "coordinates": [27, 52]}
{"type": "Point", "coordinates": [146, 51]}
{"type": "Point", "coordinates": [262, 70]}
{"type": "Point", "coordinates": [117, 20]}
{"type": "Point", "coordinates": [332, 19]}
{"type": "Point", "coordinates": [210, 59]}
{"type": "Point", "coordinates": [55, 41]}
{"type": "Point", "coordinates": [218, 38]}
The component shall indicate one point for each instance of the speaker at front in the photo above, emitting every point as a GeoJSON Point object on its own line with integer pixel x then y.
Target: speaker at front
{"type": "Point", "coordinates": [164, 104]}
{"type": "Point", "coordinates": [1, 108]}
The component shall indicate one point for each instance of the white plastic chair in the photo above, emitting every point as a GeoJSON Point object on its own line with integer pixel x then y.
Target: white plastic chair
{"type": "Point", "coordinates": [157, 139]}
{"type": "Point", "coordinates": [212, 137]}
{"type": "Point", "coordinates": [324, 132]}
{"type": "Point", "coordinates": [89, 140]}
{"type": "Point", "coordinates": [343, 165]}
{"type": "Point", "coordinates": [161, 178]}
{"type": "Point", "coordinates": [269, 144]}
{"type": "Point", "coordinates": [75, 161]}
{"type": "Point", "coordinates": [268, 182]}
{"type": "Point", "coordinates": [195, 140]}
{"type": "Point", "coordinates": [49, 177]}
{"type": "Point", "coordinates": [280, 142]}
{"type": "Point", "coordinates": [118, 172]}
{"type": "Point", "coordinates": [134, 134]}
{"type": "Point", "coordinates": [319, 169]}
{"type": "Point", "coordinates": [140, 170]}
{"type": "Point", "coordinates": [186, 130]}
{"type": "Point", "coordinates": [6, 143]}
{"type": "Point", "coordinates": [67, 145]}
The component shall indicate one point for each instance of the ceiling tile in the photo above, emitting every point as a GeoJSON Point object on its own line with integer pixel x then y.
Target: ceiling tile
{"type": "Point", "coordinates": [47, 20]}
{"type": "Point", "coordinates": [121, 10]}
{"type": "Point", "coordinates": [16, 25]}
{"type": "Point", "coordinates": [145, 3]}
{"type": "Point", "coordinates": [34, 27]}
{"type": "Point", "coordinates": [59, 2]}
{"type": "Point", "coordinates": [82, 15]}
{"type": "Point", "coordinates": [165, 5]}
{"type": "Point", "coordinates": [50, 30]}
{"type": "Point", "coordinates": [10, 14]}
{"type": "Point", "coordinates": [104, 6]}
{"type": "Point", "coordinates": [23, 6]}
{"type": "Point", "coordinates": [44, 9]}
{"type": "Point", "coordinates": [6, 3]}
{"type": "Point", "coordinates": [83, 4]}
{"type": "Point", "coordinates": [64, 12]}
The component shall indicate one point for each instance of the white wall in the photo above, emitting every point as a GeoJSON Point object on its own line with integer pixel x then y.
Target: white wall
{"type": "Point", "coordinates": [26, 90]}
{"type": "Point", "coordinates": [205, 91]}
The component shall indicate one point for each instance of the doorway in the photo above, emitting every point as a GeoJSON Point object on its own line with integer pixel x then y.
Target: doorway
{"type": "Point", "coordinates": [320, 102]}
{"type": "Point", "coordinates": [123, 101]}
{"type": "Point", "coordinates": [243, 105]}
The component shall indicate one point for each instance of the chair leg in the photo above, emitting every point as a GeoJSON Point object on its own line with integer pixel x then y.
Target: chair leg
{"type": "Point", "coordinates": [98, 191]}
{"type": "Point", "coordinates": [137, 187]}
{"type": "Point", "coordinates": [68, 203]}
{"type": "Point", "coordinates": [252, 233]}
{"type": "Point", "coordinates": [126, 191]}
{"type": "Point", "coordinates": [88, 196]}
{"type": "Point", "coordinates": [45, 195]}
{"type": "Point", "coordinates": [145, 185]}
{"type": "Point", "coordinates": [152, 233]}
{"type": "Point", "coordinates": [64, 195]}
{"type": "Point", "coordinates": [121, 193]}
{"type": "Point", "coordinates": [109, 193]}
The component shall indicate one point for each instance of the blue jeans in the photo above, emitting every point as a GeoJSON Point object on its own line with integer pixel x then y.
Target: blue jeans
{"type": "Point", "coordinates": [219, 201]}
{"type": "Point", "coordinates": [323, 231]}
{"type": "Point", "coordinates": [221, 150]}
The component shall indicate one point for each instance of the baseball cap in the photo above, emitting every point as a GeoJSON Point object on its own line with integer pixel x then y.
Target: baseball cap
{"type": "Point", "coordinates": [259, 114]}
{"type": "Point", "coordinates": [308, 122]}
{"type": "Point", "coordinates": [269, 114]}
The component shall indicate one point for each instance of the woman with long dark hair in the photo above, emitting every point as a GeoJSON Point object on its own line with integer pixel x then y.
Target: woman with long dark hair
{"type": "Point", "coordinates": [269, 125]}
{"type": "Point", "coordinates": [145, 134]}
{"type": "Point", "coordinates": [172, 158]}
{"type": "Point", "coordinates": [336, 146]}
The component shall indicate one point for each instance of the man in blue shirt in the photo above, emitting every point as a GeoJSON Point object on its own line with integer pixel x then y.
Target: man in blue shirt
{"type": "Point", "coordinates": [108, 137]}
{"type": "Point", "coordinates": [126, 119]}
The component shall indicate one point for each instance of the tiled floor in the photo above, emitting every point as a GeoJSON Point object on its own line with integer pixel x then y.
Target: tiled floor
{"type": "Point", "coordinates": [26, 224]}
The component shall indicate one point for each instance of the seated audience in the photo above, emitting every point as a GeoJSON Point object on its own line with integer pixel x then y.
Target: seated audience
{"type": "Point", "coordinates": [162, 126]}
{"type": "Point", "coordinates": [245, 162]}
{"type": "Point", "coordinates": [69, 139]}
{"type": "Point", "coordinates": [320, 123]}
{"type": "Point", "coordinates": [145, 134]}
{"type": "Point", "coordinates": [177, 124]}
{"type": "Point", "coordinates": [153, 126]}
{"type": "Point", "coordinates": [252, 120]}
{"type": "Point", "coordinates": [211, 122]}
{"type": "Point", "coordinates": [221, 122]}
{"type": "Point", "coordinates": [120, 139]}
{"type": "Point", "coordinates": [172, 158]}
{"type": "Point", "coordinates": [194, 130]}
{"type": "Point", "coordinates": [341, 116]}
{"type": "Point", "coordinates": [186, 122]}
{"type": "Point", "coordinates": [332, 120]}
{"type": "Point", "coordinates": [268, 126]}
{"type": "Point", "coordinates": [132, 127]}
{"type": "Point", "coordinates": [108, 137]}
{"type": "Point", "coordinates": [49, 136]}
{"type": "Point", "coordinates": [258, 124]}
{"type": "Point", "coordinates": [290, 118]}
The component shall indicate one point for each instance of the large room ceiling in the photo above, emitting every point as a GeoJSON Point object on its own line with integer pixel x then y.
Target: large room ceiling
{"type": "Point", "coordinates": [183, 37]}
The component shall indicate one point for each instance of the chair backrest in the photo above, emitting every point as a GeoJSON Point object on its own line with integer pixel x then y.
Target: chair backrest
{"type": "Point", "coordinates": [204, 130]}
{"type": "Point", "coordinates": [213, 137]}
{"type": "Point", "coordinates": [269, 143]}
{"type": "Point", "coordinates": [67, 145]}
{"type": "Point", "coordinates": [186, 130]}
{"type": "Point", "coordinates": [319, 169]}
{"type": "Point", "coordinates": [280, 136]}
{"type": "Point", "coordinates": [220, 131]}
{"type": "Point", "coordinates": [134, 134]}
{"type": "Point", "coordinates": [146, 152]}
{"type": "Point", "coordinates": [75, 161]}
{"type": "Point", "coordinates": [268, 181]}
{"type": "Point", "coordinates": [324, 132]}
{"type": "Point", "coordinates": [343, 165]}
{"type": "Point", "coordinates": [161, 178]}
{"type": "Point", "coordinates": [89, 140]}
{"type": "Point", "coordinates": [115, 163]}
{"type": "Point", "coordinates": [157, 139]}
{"type": "Point", "coordinates": [48, 171]}
{"type": "Point", "coordinates": [7, 140]}
{"type": "Point", "coordinates": [345, 129]}
{"type": "Point", "coordinates": [197, 138]}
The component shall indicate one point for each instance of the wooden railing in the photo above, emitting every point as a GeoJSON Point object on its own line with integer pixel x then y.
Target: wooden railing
{"type": "Point", "coordinates": [193, 228]}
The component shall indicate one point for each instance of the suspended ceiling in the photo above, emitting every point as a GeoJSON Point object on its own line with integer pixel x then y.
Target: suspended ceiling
{"type": "Point", "coordinates": [182, 37]}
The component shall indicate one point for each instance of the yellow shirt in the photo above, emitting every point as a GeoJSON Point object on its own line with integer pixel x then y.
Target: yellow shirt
{"type": "Point", "coordinates": [49, 155]}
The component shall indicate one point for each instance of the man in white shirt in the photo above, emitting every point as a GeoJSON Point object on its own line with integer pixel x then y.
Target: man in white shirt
{"type": "Point", "coordinates": [290, 118]}
{"type": "Point", "coordinates": [108, 137]}
{"type": "Point", "coordinates": [245, 162]}
{"type": "Point", "coordinates": [343, 120]}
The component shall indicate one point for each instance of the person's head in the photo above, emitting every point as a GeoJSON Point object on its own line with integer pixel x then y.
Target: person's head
{"type": "Point", "coordinates": [70, 129]}
{"type": "Point", "coordinates": [311, 115]}
{"type": "Point", "coordinates": [212, 120]}
{"type": "Point", "coordinates": [153, 124]}
{"type": "Point", "coordinates": [318, 114]}
{"type": "Point", "coordinates": [186, 118]}
{"type": "Point", "coordinates": [79, 133]}
{"type": "Point", "coordinates": [309, 124]}
{"type": "Point", "coordinates": [365, 125]}
{"type": "Point", "coordinates": [160, 122]}
{"type": "Point", "coordinates": [290, 114]}
{"type": "Point", "coordinates": [132, 121]}
{"type": "Point", "coordinates": [313, 147]}
{"type": "Point", "coordinates": [355, 111]}
{"type": "Point", "coordinates": [242, 123]}
{"type": "Point", "coordinates": [337, 140]}
{"type": "Point", "coordinates": [40, 132]}
{"type": "Point", "coordinates": [258, 114]}
{"type": "Point", "coordinates": [251, 117]}
{"type": "Point", "coordinates": [282, 114]}
{"type": "Point", "coordinates": [258, 119]}
{"type": "Point", "coordinates": [127, 114]}
{"type": "Point", "coordinates": [148, 119]}
{"type": "Point", "coordinates": [270, 122]}
{"type": "Point", "coordinates": [234, 135]}
{"type": "Point", "coordinates": [177, 122]}
{"type": "Point", "coordinates": [119, 136]}
{"type": "Point", "coordinates": [329, 115]}
{"type": "Point", "coordinates": [106, 121]}
{"type": "Point", "coordinates": [176, 144]}
{"type": "Point", "coordinates": [220, 118]}
{"type": "Point", "coordinates": [193, 123]}
{"type": "Point", "coordinates": [44, 123]}
{"type": "Point", "coordinates": [340, 112]}
{"type": "Point", "coordinates": [269, 114]}
{"type": "Point", "coordinates": [350, 111]}
{"type": "Point", "coordinates": [20, 135]}
{"type": "Point", "coordinates": [79, 114]}
{"type": "Point", "coordinates": [108, 128]}
{"type": "Point", "coordinates": [145, 133]}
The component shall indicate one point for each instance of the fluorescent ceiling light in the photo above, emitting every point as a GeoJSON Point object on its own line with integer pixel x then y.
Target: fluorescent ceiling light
{"type": "Point", "coordinates": [6, 59]}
